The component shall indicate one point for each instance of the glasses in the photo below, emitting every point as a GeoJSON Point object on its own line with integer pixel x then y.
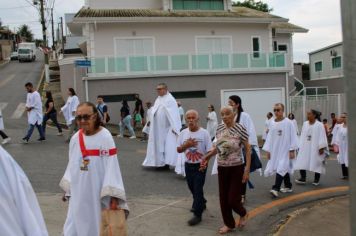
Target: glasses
{"type": "Point", "coordinates": [85, 117]}
{"type": "Point", "coordinates": [276, 110]}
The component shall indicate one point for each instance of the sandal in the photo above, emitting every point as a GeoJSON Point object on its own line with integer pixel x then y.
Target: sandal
{"type": "Point", "coordinates": [225, 230]}
{"type": "Point", "coordinates": [243, 221]}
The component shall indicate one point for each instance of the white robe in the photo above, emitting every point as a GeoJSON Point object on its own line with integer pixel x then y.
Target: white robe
{"type": "Point", "coordinates": [146, 128]}
{"type": "Point", "coordinates": [312, 139]}
{"type": "Point", "coordinates": [90, 191]}
{"type": "Point", "coordinates": [341, 141]}
{"type": "Point", "coordinates": [162, 142]}
{"type": "Point", "coordinates": [281, 139]}
{"type": "Point", "coordinates": [34, 101]}
{"type": "Point", "coordinates": [334, 133]}
{"type": "Point", "coordinates": [295, 124]}
{"type": "Point", "coordinates": [20, 213]}
{"type": "Point", "coordinates": [70, 107]}
{"type": "Point", "coordinates": [246, 121]}
{"type": "Point", "coordinates": [1, 121]}
{"type": "Point", "coordinates": [267, 126]}
{"type": "Point", "coordinates": [212, 123]}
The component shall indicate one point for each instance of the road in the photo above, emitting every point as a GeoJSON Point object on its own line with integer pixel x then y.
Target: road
{"type": "Point", "coordinates": [159, 200]}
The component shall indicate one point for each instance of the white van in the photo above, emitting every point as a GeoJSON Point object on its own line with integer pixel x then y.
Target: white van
{"type": "Point", "coordinates": [26, 52]}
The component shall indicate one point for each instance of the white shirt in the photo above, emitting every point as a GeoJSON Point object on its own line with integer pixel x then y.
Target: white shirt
{"type": "Point", "coordinates": [181, 113]}
{"type": "Point", "coordinates": [195, 154]}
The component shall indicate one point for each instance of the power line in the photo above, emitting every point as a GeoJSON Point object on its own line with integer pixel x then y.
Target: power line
{"type": "Point", "coordinates": [11, 8]}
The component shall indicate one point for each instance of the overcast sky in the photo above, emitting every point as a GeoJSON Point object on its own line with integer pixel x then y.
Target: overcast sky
{"type": "Point", "coordinates": [321, 17]}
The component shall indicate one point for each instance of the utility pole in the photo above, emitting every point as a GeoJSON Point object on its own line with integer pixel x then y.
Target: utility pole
{"type": "Point", "coordinates": [62, 36]}
{"type": "Point", "coordinates": [348, 10]}
{"type": "Point", "coordinates": [43, 22]}
{"type": "Point", "coordinates": [53, 46]}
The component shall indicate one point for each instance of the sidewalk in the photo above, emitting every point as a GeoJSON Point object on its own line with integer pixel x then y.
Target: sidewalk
{"type": "Point", "coordinates": [329, 217]}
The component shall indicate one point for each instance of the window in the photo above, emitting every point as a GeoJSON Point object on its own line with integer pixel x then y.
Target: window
{"type": "Point", "coordinates": [336, 62]}
{"type": "Point", "coordinates": [318, 66]}
{"type": "Point", "coordinates": [189, 94]}
{"type": "Point", "coordinates": [275, 46]}
{"type": "Point", "coordinates": [119, 98]}
{"type": "Point", "coordinates": [198, 4]}
{"type": "Point", "coordinates": [256, 46]}
{"type": "Point", "coordinates": [283, 48]}
{"type": "Point", "coordinates": [217, 50]}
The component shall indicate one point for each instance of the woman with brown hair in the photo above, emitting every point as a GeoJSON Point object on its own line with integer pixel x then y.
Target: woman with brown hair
{"type": "Point", "coordinates": [232, 172]}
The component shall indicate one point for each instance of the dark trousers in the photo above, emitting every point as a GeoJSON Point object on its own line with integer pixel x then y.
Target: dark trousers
{"type": "Point", "coordinates": [3, 135]}
{"type": "Point", "coordinates": [244, 188]}
{"type": "Point", "coordinates": [279, 179]}
{"type": "Point", "coordinates": [345, 170]}
{"type": "Point", "coordinates": [52, 117]}
{"type": "Point", "coordinates": [230, 185]}
{"type": "Point", "coordinates": [196, 181]}
{"type": "Point", "coordinates": [303, 175]}
{"type": "Point", "coordinates": [30, 131]}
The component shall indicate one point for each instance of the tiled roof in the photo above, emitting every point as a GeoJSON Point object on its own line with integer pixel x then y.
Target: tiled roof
{"type": "Point", "coordinates": [288, 27]}
{"type": "Point", "coordinates": [237, 12]}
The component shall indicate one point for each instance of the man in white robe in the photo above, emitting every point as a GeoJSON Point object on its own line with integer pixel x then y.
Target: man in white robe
{"type": "Point", "coordinates": [280, 146]}
{"type": "Point", "coordinates": [20, 213]}
{"type": "Point", "coordinates": [165, 125]}
{"type": "Point", "coordinates": [34, 113]}
{"type": "Point", "coordinates": [342, 141]}
{"type": "Point", "coordinates": [93, 177]}
{"type": "Point", "coordinates": [69, 110]}
{"type": "Point", "coordinates": [313, 145]}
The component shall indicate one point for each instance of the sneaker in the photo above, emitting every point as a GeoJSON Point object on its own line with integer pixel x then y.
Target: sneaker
{"type": "Point", "coordinates": [286, 190]}
{"type": "Point", "coordinates": [274, 193]}
{"type": "Point", "coordinates": [300, 181]}
{"type": "Point", "coordinates": [194, 221]}
{"type": "Point", "coordinates": [41, 139]}
{"type": "Point", "coordinates": [133, 137]}
{"type": "Point", "coordinates": [315, 183]}
{"type": "Point", "coordinates": [60, 134]}
{"type": "Point", "coordinates": [5, 141]}
{"type": "Point", "coordinates": [25, 140]}
{"type": "Point", "coordinates": [119, 136]}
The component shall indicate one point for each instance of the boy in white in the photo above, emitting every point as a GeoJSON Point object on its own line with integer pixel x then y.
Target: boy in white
{"type": "Point", "coordinates": [280, 146]}
{"type": "Point", "coordinates": [194, 142]}
{"type": "Point", "coordinates": [342, 142]}
{"type": "Point", "coordinates": [312, 145]}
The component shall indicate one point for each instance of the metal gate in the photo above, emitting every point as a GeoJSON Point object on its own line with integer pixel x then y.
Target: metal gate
{"type": "Point", "coordinates": [326, 104]}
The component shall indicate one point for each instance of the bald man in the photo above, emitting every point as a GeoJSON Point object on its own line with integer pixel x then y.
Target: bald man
{"type": "Point", "coordinates": [194, 143]}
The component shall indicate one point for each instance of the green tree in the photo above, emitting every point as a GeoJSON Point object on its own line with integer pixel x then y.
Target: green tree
{"type": "Point", "coordinates": [260, 6]}
{"type": "Point", "coordinates": [1, 26]}
{"type": "Point", "coordinates": [25, 32]}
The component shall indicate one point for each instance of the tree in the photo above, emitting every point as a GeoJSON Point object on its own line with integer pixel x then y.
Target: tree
{"type": "Point", "coordinates": [260, 6]}
{"type": "Point", "coordinates": [1, 26]}
{"type": "Point", "coordinates": [25, 33]}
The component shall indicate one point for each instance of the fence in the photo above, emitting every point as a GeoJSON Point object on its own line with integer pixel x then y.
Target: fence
{"type": "Point", "coordinates": [326, 104]}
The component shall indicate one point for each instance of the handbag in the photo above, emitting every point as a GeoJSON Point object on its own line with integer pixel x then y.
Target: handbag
{"type": "Point", "coordinates": [113, 223]}
{"type": "Point", "coordinates": [255, 160]}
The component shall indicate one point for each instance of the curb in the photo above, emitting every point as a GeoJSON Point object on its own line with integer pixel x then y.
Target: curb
{"type": "Point", "coordinates": [4, 63]}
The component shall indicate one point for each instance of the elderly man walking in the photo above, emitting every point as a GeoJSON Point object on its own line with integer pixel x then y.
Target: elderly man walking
{"type": "Point", "coordinates": [165, 125]}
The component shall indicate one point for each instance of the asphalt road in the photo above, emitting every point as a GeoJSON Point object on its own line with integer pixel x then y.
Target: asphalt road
{"type": "Point", "coordinates": [45, 163]}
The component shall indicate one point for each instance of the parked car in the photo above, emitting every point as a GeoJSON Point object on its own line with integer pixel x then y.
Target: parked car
{"type": "Point", "coordinates": [14, 56]}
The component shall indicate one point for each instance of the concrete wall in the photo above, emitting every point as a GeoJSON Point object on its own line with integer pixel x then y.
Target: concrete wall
{"type": "Point", "coordinates": [178, 38]}
{"type": "Point", "coordinates": [286, 39]}
{"type": "Point", "coordinates": [125, 4]}
{"type": "Point", "coordinates": [213, 84]}
{"type": "Point", "coordinates": [334, 85]}
{"type": "Point", "coordinates": [6, 48]}
{"type": "Point", "coordinates": [325, 57]}
{"type": "Point", "coordinates": [67, 81]}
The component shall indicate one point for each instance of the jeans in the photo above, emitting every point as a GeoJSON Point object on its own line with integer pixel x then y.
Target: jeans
{"type": "Point", "coordinates": [3, 135]}
{"type": "Point", "coordinates": [279, 180]}
{"type": "Point", "coordinates": [303, 175]}
{"type": "Point", "coordinates": [30, 131]}
{"type": "Point", "coordinates": [196, 181]}
{"type": "Point", "coordinates": [126, 122]}
{"type": "Point", "coordinates": [53, 117]}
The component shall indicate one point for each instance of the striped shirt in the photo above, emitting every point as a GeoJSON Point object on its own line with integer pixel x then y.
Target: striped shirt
{"type": "Point", "coordinates": [229, 144]}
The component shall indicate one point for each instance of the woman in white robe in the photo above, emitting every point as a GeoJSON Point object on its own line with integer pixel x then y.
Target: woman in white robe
{"type": "Point", "coordinates": [267, 125]}
{"type": "Point", "coordinates": [92, 180]}
{"type": "Point", "coordinates": [20, 213]}
{"type": "Point", "coordinates": [69, 110]}
{"type": "Point", "coordinates": [313, 146]}
{"type": "Point", "coordinates": [212, 121]}
{"type": "Point", "coordinates": [342, 141]}
{"type": "Point", "coordinates": [294, 121]}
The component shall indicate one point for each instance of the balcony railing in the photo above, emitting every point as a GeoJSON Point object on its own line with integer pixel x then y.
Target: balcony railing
{"type": "Point", "coordinates": [187, 63]}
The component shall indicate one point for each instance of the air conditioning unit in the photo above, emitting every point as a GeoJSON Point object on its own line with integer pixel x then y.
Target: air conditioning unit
{"type": "Point", "coordinates": [333, 53]}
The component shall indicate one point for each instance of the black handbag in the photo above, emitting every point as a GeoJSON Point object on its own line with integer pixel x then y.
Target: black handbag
{"type": "Point", "coordinates": [255, 160]}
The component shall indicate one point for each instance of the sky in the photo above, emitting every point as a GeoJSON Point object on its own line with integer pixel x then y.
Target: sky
{"type": "Point", "coordinates": [321, 17]}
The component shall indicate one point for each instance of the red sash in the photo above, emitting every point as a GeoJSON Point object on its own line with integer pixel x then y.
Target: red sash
{"type": "Point", "coordinates": [93, 152]}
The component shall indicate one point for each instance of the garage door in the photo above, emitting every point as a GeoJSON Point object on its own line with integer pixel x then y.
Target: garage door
{"type": "Point", "coordinates": [256, 102]}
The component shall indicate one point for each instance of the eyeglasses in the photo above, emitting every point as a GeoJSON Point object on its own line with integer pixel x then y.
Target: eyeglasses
{"type": "Point", "coordinates": [276, 110]}
{"type": "Point", "coordinates": [85, 117]}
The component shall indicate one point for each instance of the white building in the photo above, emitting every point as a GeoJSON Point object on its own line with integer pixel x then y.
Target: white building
{"type": "Point", "coordinates": [205, 50]}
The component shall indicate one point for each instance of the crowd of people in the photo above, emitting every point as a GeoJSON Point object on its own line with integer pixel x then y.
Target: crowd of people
{"type": "Point", "coordinates": [94, 186]}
